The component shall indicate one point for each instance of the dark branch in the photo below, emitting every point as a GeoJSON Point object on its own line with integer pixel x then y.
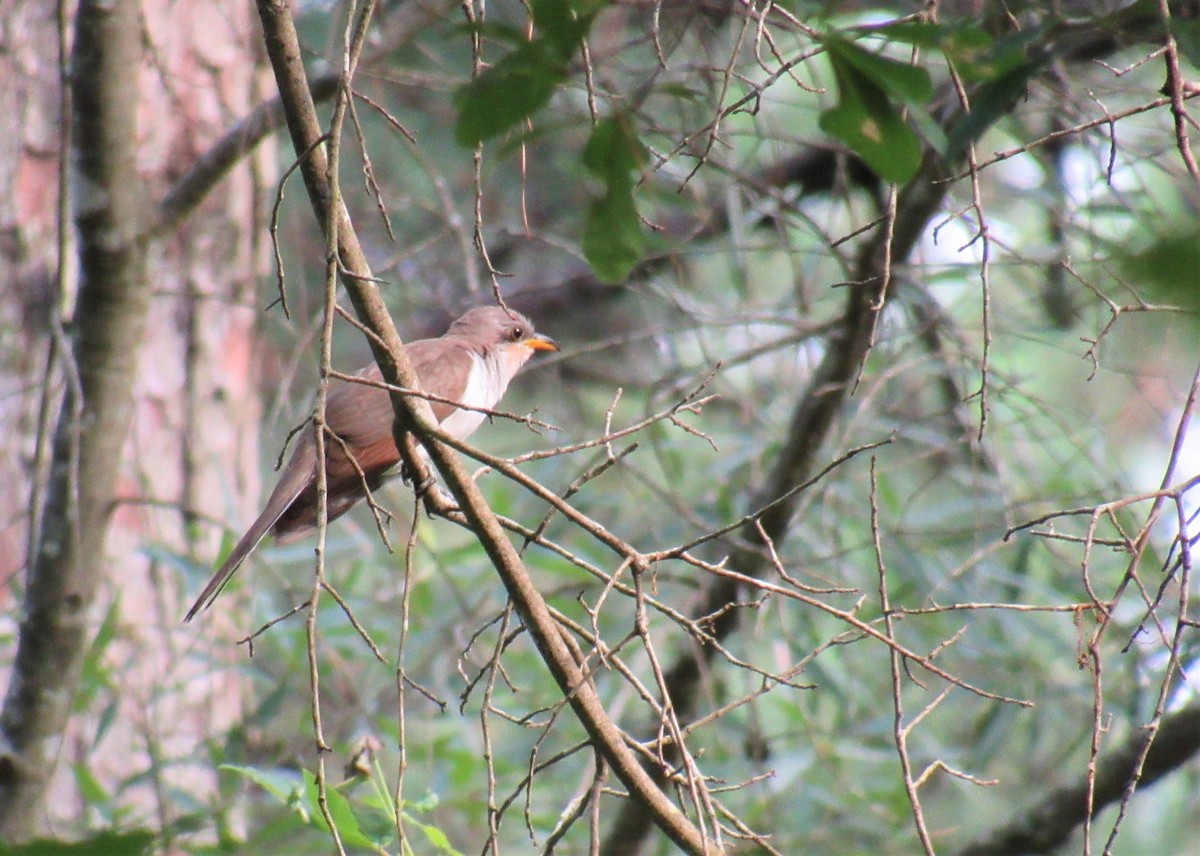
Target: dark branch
{"type": "Point", "coordinates": [1058, 814]}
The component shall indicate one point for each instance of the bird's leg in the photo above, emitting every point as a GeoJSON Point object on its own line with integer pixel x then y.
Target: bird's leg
{"type": "Point", "coordinates": [416, 471]}
{"type": "Point", "coordinates": [437, 502]}
{"type": "Point", "coordinates": [414, 466]}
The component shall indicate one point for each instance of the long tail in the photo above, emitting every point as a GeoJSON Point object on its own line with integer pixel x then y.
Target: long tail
{"type": "Point", "coordinates": [290, 485]}
{"type": "Point", "coordinates": [243, 549]}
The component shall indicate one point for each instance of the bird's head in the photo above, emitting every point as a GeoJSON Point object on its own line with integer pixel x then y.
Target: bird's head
{"type": "Point", "coordinates": [506, 329]}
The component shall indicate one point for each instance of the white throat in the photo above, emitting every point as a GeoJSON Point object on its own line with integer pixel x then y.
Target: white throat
{"type": "Point", "coordinates": [490, 374]}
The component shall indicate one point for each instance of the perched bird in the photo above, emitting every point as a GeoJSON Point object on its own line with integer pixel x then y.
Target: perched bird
{"type": "Point", "coordinates": [471, 364]}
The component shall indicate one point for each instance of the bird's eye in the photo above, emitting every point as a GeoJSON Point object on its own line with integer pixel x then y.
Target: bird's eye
{"type": "Point", "coordinates": [516, 334]}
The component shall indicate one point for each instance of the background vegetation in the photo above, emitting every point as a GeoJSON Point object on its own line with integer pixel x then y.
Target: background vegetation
{"type": "Point", "coordinates": [870, 432]}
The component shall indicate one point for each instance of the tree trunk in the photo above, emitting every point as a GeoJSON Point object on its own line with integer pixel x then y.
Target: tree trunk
{"type": "Point", "coordinates": [152, 343]}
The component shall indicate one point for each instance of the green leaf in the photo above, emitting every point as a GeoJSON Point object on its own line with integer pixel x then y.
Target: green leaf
{"type": "Point", "coordinates": [866, 121]}
{"type": "Point", "coordinates": [989, 103]}
{"type": "Point", "coordinates": [979, 59]}
{"type": "Point", "coordinates": [966, 45]}
{"type": "Point", "coordinates": [425, 804]}
{"type": "Point", "coordinates": [339, 809]}
{"type": "Point", "coordinates": [908, 83]}
{"type": "Point", "coordinates": [1187, 36]}
{"type": "Point", "coordinates": [614, 149]}
{"type": "Point", "coordinates": [284, 785]}
{"type": "Point", "coordinates": [507, 93]}
{"type": "Point", "coordinates": [524, 79]}
{"type": "Point", "coordinates": [95, 794]}
{"type": "Point", "coordinates": [108, 843]}
{"type": "Point", "coordinates": [97, 679]}
{"type": "Point", "coordinates": [976, 55]}
{"type": "Point", "coordinates": [563, 26]}
{"type": "Point", "coordinates": [378, 825]}
{"type": "Point", "coordinates": [435, 837]}
{"type": "Point", "coordinates": [613, 240]}
{"type": "Point", "coordinates": [929, 129]}
{"type": "Point", "coordinates": [924, 34]}
{"type": "Point", "coordinates": [1169, 267]}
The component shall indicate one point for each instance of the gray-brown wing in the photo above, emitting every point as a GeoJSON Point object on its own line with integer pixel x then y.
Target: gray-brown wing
{"type": "Point", "coordinates": [362, 415]}
{"type": "Point", "coordinates": [443, 371]}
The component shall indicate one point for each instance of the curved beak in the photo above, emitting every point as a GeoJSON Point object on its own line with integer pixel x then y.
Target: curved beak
{"type": "Point", "coordinates": [539, 342]}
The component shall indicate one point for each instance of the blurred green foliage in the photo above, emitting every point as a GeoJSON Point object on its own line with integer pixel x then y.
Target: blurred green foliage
{"type": "Point", "coordinates": [753, 281]}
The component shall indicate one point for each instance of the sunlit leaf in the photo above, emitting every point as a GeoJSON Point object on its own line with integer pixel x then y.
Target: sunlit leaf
{"type": "Point", "coordinates": [284, 785]}
{"type": "Point", "coordinates": [435, 837]}
{"type": "Point", "coordinates": [910, 84]}
{"type": "Point", "coordinates": [865, 121]}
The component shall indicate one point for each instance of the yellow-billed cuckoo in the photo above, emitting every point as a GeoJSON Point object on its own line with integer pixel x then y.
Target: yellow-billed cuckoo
{"type": "Point", "coordinates": [471, 365]}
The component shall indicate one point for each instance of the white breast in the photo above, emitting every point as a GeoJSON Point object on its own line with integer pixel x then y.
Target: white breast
{"type": "Point", "coordinates": [488, 380]}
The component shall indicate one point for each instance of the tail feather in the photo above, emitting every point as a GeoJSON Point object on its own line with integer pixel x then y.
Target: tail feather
{"type": "Point", "coordinates": [244, 548]}
{"type": "Point", "coordinates": [296, 475]}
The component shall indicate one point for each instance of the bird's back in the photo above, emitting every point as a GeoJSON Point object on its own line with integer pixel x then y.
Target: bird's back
{"type": "Point", "coordinates": [359, 416]}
